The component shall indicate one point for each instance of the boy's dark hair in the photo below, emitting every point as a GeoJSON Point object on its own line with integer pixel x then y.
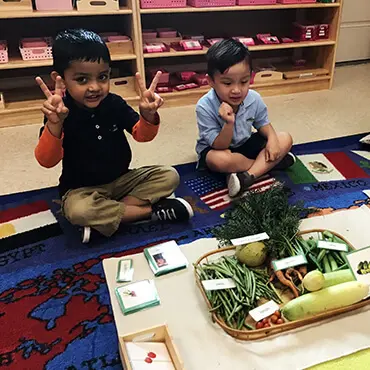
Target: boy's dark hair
{"type": "Point", "coordinates": [78, 45]}
{"type": "Point", "coordinates": [226, 53]}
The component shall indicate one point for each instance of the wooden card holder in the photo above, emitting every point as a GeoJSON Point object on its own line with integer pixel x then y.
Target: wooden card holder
{"type": "Point", "coordinates": [120, 47]}
{"type": "Point", "coordinates": [124, 86]}
{"type": "Point", "coordinates": [267, 76]}
{"type": "Point", "coordinates": [97, 5]}
{"type": "Point", "coordinates": [155, 334]}
{"type": "Point", "coordinates": [2, 101]}
{"type": "Point", "coordinates": [15, 5]}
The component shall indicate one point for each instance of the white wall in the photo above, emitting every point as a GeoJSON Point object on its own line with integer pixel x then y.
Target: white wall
{"type": "Point", "coordinates": [354, 37]}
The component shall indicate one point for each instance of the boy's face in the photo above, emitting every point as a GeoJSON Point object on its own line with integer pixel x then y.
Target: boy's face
{"type": "Point", "coordinates": [87, 82]}
{"type": "Point", "coordinates": [232, 86]}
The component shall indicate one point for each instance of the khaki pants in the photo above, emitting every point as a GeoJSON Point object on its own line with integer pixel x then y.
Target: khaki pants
{"type": "Point", "coordinates": [99, 206]}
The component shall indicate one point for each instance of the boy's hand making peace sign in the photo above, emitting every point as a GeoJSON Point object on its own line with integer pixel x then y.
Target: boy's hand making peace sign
{"type": "Point", "coordinates": [149, 100]}
{"type": "Point", "coordinates": [53, 107]}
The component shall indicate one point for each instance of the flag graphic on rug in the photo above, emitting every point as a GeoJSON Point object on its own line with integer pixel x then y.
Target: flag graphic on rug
{"type": "Point", "coordinates": [321, 167]}
{"type": "Point", "coordinates": [214, 193]}
{"type": "Point", "coordinates": [27, 224]}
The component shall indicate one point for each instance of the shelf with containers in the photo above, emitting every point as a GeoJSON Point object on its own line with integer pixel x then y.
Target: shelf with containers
{"type": "Point", "coordinates": [248, 21]}
{"type": "Point", "coordinates": [20, 97]}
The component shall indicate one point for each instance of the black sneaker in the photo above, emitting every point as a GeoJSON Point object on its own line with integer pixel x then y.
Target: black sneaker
{"type": "Point", "coordinates": [238, 183]}
{"type": "Point", "coordinates": [172, 209]}
{"type": "Point", "coordinates": [286, 162]}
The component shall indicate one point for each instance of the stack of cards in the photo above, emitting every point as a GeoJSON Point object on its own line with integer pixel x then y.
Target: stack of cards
{"type": "Point", "coordinates": [137, 296]}
{"type": "Point", "coordinates": [165, 258]}
{"type": "Point", "coordinates": [149, 355]}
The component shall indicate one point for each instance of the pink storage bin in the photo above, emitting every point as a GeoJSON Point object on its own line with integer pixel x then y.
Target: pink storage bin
{"type": "Point", "coordinates": [53, 4]}
{"type": "Point", "coordinates": [116, 38]}
{"type": "Point", "coordinates": [145, 4]}
{"type": "Point", "coordinates": [166, 32]}
{"type": "Point", "coordinates": [105, 35]}
{"type": "Point", "coordinates": [149, 34]}
{"type": "Point", "coordinates": [3, 52]}
{"type": "Point", "coordinates": [211, 3]}
{"type": "Point", "coordinates": [255, 2]}
{"type": "Point", "coordinates": [322, 31]}
{"type": "Point", "coordinates": [34, 43]}
{"type": "Point", "coordinates": [296, 1]}
{"type": "Point", "coordinates": [36, 52]}
{"type": "Point", "coordinates": [165, 76]}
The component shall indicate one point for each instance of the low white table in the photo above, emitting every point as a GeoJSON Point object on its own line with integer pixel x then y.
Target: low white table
{"type": "Point", "coordinates": [204, 346]}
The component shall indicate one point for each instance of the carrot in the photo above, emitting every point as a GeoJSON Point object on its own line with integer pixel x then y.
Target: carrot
{"type": "Point", "coordinates": [272, 276]}
{"type": "Point", "coordinates": [295, 272]}
{"type": "Point", "coordinates": [303, 270]}
{"type": "Point", "coordinates": [283, 280]}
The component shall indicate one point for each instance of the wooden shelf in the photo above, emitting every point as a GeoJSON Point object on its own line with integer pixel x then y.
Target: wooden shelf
{"type": "Point", "coordinates": [293, 45]}
{"type": "Point", "coordinates": [22, 104]}
{"type": "Point", "coordinates": [18, 62]}
{"type": "Point", "coordinates": [68, 13]}
{"type": "Point", "coordinates": [188, 97]}
{"type": "Point", "coordinates": [190, 9]}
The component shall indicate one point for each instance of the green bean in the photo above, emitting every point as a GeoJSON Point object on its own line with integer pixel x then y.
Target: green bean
{"type": "Point", "coordinates": [321, 255]}
{"type": "Point", "coordinates": [314, 260]}
{"type": "Point", "coordinates": [327, 267]}
{"type": "Point", "coordinates": [328, 235]}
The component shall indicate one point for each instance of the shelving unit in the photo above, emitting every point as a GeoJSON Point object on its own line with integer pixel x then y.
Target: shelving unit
{"type": "Point", "coordinates": [22, 106]}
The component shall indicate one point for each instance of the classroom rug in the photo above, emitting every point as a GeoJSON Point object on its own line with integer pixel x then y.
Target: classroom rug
{"type": "Point", "coordinates": [54, 304]}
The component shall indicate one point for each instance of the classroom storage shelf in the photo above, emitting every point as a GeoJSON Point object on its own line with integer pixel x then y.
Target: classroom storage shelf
{"type": "Point", "coordinates": [22, 105]}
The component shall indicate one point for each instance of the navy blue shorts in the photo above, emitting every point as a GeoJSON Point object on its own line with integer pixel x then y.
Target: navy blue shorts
{"type": "Point", "coordinates": [250, 149]}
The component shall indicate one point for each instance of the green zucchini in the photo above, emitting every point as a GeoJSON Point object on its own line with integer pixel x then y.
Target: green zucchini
{"type": "Point", "coordinates": [337, 277]}
{"type": "Point", "coordinates": [324, 300]}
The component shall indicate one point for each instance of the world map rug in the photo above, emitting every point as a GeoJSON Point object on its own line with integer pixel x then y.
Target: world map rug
{"type": "Point", "coordinates": [54, 305]}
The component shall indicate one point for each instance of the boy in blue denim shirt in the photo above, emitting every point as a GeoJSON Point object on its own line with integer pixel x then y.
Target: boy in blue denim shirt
{"type": "Point", "coordinates": [226, 116]}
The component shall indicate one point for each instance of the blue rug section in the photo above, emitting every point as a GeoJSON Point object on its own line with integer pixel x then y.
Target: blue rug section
{"type": "Point", "coordinates": [68, 245]}
{"type": "Point", "coordinates": [54, 303]}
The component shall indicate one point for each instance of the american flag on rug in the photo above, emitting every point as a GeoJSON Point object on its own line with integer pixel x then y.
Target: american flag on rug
{"type": "Point", "coordinates": [214, 193]}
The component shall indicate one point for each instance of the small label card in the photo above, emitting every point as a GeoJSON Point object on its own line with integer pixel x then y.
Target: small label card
{"type": "Point", "coordinates": [218, 284]}
{"type": "Point", "coordinates": [125, 271]}
{"type": "Point", "coordinates": [285, 263]}
{"type": "Point", "coordinates": [359, 263]}
{"type": "Point", "coordinates": [250, 239]}
{"type": "Point", "coordinates": [267, 309]}
{"type": "Point", "coordinates": [333, 246]}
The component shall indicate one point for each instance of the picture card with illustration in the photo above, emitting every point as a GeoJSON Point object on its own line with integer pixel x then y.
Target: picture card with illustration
{"type": "Point", "coordinates": [166, 257]}
{"type": "Point", "coordinates": [359, 263]}
{"type": "Point", "coordinates": [137, 296]}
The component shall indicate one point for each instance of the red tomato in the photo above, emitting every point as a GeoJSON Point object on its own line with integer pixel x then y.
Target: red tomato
{"type": "Point", "coordinates": [274, 319]}
{"type": "Point", "coordinates": [259, 325]}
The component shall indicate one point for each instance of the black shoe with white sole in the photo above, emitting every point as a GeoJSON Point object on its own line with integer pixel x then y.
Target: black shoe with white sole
{"type": "Point", "coordinates": [238, 183]}
{"type": "Point", "coordinates": [286, 162]}
{"type": "Point", "coordinates": [172, 209]}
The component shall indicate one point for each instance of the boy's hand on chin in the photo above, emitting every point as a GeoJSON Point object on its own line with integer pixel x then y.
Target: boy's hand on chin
{"type": "Point", "coordinates": [150, 102]}
{"type": "Point", "coordinates": [226, 112]}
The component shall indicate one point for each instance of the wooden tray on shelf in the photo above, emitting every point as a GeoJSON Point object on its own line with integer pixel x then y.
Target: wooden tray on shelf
{"type": "Point", "coordinates": [276, 329]}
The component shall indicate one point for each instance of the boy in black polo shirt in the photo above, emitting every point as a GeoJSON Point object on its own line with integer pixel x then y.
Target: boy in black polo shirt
{"type": "Point", "coordinates": [85, 130]}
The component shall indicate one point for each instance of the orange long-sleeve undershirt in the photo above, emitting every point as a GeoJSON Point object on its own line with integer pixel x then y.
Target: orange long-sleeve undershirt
{"type": "Point", "coordinates": [49, 150]}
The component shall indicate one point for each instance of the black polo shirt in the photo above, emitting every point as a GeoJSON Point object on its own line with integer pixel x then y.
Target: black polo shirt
{"type": "Point", "coordinates": [96, 150]}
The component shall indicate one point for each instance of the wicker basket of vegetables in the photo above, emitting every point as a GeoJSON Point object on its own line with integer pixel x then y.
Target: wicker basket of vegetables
{"type": "Point", "coordinates": [317, 290]}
